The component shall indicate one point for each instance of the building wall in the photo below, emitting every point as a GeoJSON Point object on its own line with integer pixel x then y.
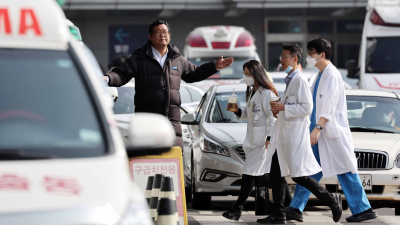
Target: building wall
{"type": "Point", "coordinates": [94, 26]}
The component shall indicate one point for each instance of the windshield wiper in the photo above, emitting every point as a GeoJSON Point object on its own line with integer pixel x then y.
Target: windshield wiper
{"type": "Point", "coordinates": [366, 129]}
{"type": "Point", "coordinates": [19, 154]}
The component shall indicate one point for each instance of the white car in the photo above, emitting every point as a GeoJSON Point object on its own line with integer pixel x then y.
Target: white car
{"type": "Point", "coordinates": [124, 107]}
{"type": "Point", "coordinates": [378, 64]}
{"type": "Point", "coordinates": [63, 160]}
{"type": "Point", "coordinates": [214, 164]}
{"type": "Point", "coordinates": [205, 44]}
{"type": "Point", "coordinates": [374, 119]}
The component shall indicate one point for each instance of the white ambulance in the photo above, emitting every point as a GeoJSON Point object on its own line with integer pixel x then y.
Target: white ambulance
{"type": "Point", "coordinates": [205, 44]}
{"type": "Point", "coordinates": [63, 160]}
{"type": "Point", "coordinates": [379, 61]}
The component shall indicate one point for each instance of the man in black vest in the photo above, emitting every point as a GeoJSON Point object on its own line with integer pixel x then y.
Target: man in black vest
{"type": "Point", "coordinates": [158, 69]}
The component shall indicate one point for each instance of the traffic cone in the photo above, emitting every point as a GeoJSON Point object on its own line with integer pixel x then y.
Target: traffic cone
{"type": "Point", "coordinates": [167, 213]}
{"type": "Point", "coordinates": [155, 192]}
{"type": "Point", "coordinates": [149, 186]}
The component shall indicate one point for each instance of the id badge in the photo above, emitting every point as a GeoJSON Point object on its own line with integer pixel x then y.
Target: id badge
{"type": "Point", "coordinates": [256, 112]}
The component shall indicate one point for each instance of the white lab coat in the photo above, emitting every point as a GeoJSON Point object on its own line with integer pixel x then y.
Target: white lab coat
{"type": "Point", "coordinates": [335, 143]}
{"type": "Point", "coordinates": [254, 144]}
{"type": "Point", "coordinates": [291, 135]}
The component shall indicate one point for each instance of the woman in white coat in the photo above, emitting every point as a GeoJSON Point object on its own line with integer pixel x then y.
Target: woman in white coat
{"type": "Point", "coordinates": [331, 138]}
{"type": "Point", "coordinates": [260, 124]}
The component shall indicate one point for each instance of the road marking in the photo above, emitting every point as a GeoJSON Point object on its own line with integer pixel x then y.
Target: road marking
{"type": "Point", "coordinates": [214, 219]}
{"type": "Point", "coordinates": [389, 219]}
{"type": "Point", "coordinates": [205, 212]}
{"type": "Point", "coordinates": [320, 219]}
{"type": "Point", "coordinates": [314, 213]}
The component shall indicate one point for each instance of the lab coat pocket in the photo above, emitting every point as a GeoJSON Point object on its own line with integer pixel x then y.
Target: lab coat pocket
{"type": "Point", "coordinates": [331, 130]}
{"type": "Point", "coordinates": [258, 135]}
{"type": "Point", "coordinates": [291, 100]}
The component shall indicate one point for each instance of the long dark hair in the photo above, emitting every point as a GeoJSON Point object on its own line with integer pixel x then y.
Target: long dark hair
{"type": "Point", "coordinates": [260, 77]}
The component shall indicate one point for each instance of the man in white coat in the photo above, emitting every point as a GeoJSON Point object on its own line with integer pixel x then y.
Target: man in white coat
{"type": "Point", "coordinates": [331, 138]}
{"type": "Point", "coordinates": [289, 151]}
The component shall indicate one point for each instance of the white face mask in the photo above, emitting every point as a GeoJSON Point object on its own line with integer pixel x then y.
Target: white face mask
{"type": "Point", "coordinates": [248, 80]}
{"type": "Point", "coordinates": [312, 61]}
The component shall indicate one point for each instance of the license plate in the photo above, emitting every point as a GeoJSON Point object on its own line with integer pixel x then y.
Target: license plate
{"type": "Point", "coordinates": [366, 182]}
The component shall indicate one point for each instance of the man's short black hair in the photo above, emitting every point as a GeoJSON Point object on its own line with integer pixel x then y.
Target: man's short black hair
{"type": "Point", "coordinates": [295, 50]}
{"type": "Point", "coordinates": [321, 45]}
{"type": "Point", "coordinates": [155, 23]}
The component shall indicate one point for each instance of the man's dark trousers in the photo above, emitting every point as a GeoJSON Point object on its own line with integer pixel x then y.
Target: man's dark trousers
{"type": "Point", "coordinates": [278, 184]}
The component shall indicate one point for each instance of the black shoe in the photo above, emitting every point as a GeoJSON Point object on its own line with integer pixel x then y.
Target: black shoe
{"type": "Point", "coordinates": [273, 220]}
{"type": "Point", "coordinates": [337, 207]}
{"type": "Point", "coordinates": [233, 214]}
{"type": "Point", "coordinates": [294, 214]}
{"type": "Point", "coordinates": [366, 215]}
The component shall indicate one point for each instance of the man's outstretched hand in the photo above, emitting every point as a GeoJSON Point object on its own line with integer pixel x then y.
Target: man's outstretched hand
{"type": "Point", "coordinates": [222, 63]}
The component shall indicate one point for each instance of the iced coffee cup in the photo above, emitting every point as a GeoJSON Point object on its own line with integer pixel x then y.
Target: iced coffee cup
{"type": "Point", "coordinates": [274, 99]}
{"type": "Point", "coordinates": [232, 105]}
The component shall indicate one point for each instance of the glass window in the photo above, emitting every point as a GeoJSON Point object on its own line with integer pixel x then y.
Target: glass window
{"type": "Point", "coordinates": [185, 95]}
{"type": "Point", "coordinates": [218, 112]}
{"type": "Point", "coordinates": [196, 95]}
{"type": "Point", "coordinates": [382, 55]}
{"type": "Point", "coordinates": [373, 114]}
{"type": "Point", "coordinates": [126, 101]}
{"type": "Point", "coordinates": [283, 26]}
{"type": "Point", "coordinates": [320, 26]}
{"type": "Point", "coordinates": [347, 52]}
{"type": "Point", "coordinates": [350, 26]}
{"type": "Point", "coordinates": [235, 71]}
{"type": "Point", "coordinates": [45, 108]}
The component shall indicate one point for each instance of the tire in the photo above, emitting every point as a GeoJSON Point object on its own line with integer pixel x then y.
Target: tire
{"type": "Point", "coordinates": [198, 200]}
{"type": "Point", "coordinates": [397, 209]}
{"type": "Point", "coordinates": [188, 194]}
{"type": "Point", "coordinates": [345, 206]}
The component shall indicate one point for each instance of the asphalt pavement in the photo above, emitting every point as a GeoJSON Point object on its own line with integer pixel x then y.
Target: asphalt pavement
{"type": "Point", "coordinates": [313, 215]}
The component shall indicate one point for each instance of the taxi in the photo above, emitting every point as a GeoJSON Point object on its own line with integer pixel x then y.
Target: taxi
{"type": "Point", "coordinates": [205, 44]}
{"type": "Point", "coordinates": [63, 159]}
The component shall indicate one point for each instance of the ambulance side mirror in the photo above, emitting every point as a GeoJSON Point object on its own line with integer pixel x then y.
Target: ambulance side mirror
{"type": "Point", "coordinates": [149, 134]}
{"type": "Point", "coordinates": [353, 71]}
{"type": "Point", "coordinates": [189, 119]}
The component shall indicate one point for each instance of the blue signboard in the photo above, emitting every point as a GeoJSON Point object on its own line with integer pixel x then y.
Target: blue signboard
{"type": "Point", "coordinates": [124, 39]}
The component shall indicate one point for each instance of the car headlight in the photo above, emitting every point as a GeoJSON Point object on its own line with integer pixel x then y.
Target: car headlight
{"type": "Point", "coordinates": [211, 146]}
{"type": "Point", "coordinates": [398, 161]}
{"type": "Point", "coordinates": [138, 213]}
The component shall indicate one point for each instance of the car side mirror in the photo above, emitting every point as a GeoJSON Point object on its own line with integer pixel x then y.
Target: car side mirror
{"type": "Point", "coordinates": [189, 119]}
{"type": "Point", "coordinates": [149, 134]}
{"type": "Point", "coordinates": [353, 71]}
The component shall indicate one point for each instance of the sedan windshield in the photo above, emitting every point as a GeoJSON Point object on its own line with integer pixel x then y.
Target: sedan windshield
{"type": "Point", "coordinates": [235, 71]}
{"type": "Point", "coordinates": [381, 55]}
{"type": "Point", "coordinates": [373, 114]}
{"type": "Point", "coordinates": [218, 112]}
{"type": "Point", "coordinates": [46, 110]}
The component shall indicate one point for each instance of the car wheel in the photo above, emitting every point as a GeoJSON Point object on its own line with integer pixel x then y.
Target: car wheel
{"type": "Point", "coordinates": [198, 200]}
{"type": "Point", "coordinates": [188, 194]}
{"type": "Point", "coordinates": [345, 206]}
{"type": "Point", "coordinates": [397, 209]}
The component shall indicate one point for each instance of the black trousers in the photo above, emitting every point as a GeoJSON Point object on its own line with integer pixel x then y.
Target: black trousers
{"type": "Point", "coordinates": [279, 186]}
{"type": "Point", "coordinates": [247, 186]}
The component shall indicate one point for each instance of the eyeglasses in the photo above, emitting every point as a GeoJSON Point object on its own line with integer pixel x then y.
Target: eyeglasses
{"type": "Point", "coordinates": [285, 56]}
{"type": "Point", "coordinates": [159, 33]}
